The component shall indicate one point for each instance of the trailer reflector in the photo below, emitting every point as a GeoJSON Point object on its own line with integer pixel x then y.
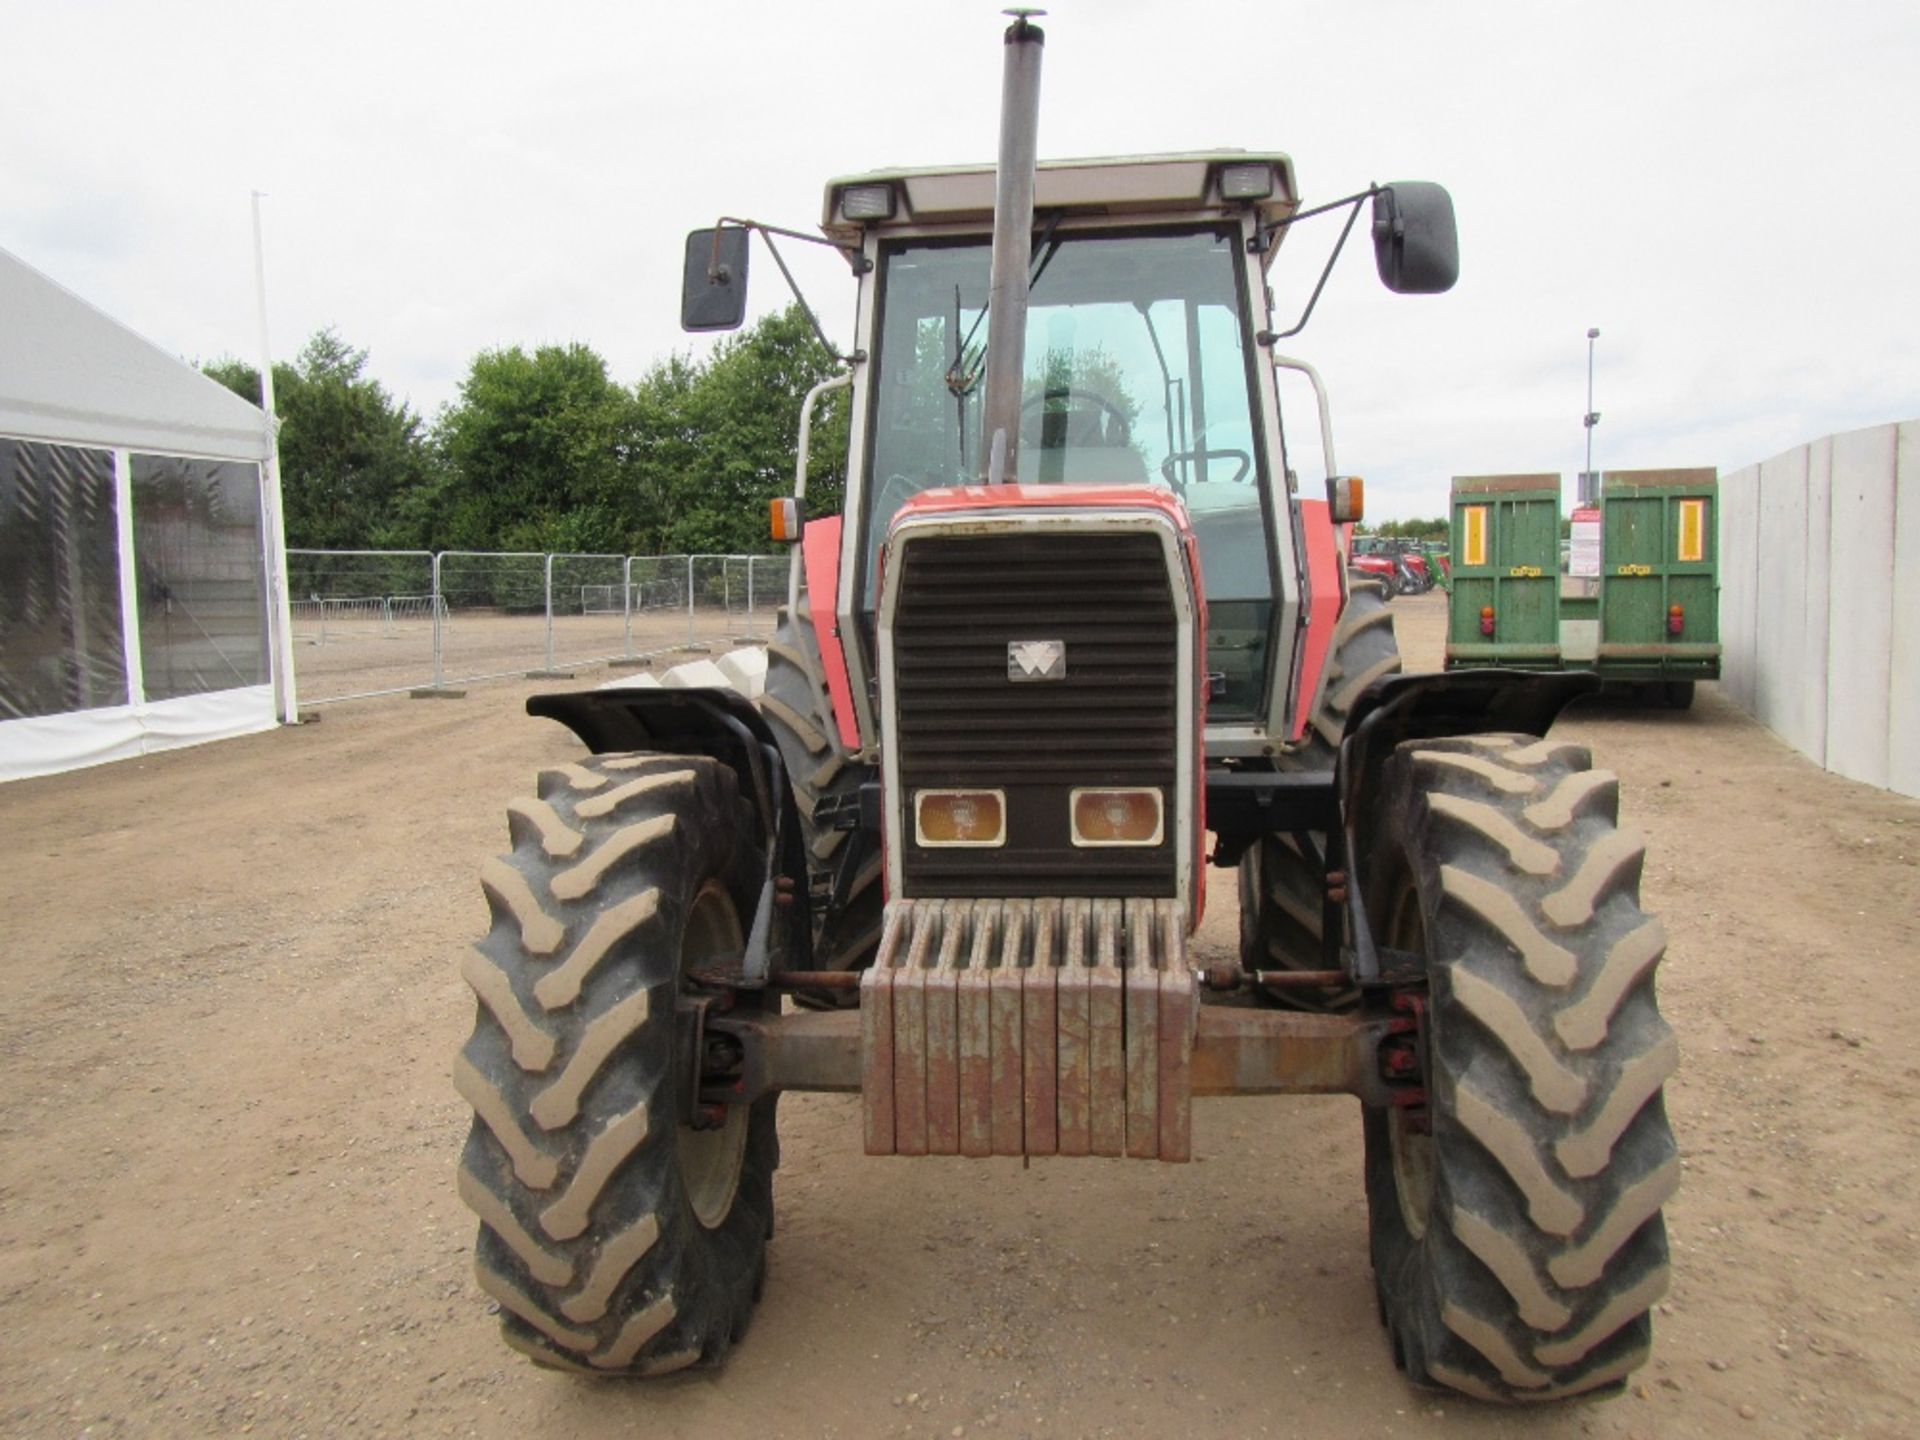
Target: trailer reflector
{"type": "Point", "coordinates": [1473, 546]}
{"type": "Point", "coordinates": [1693, 531]}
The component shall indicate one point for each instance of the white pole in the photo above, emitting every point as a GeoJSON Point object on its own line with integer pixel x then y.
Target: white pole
{"type": "Point", "coordinates": [280, 633]}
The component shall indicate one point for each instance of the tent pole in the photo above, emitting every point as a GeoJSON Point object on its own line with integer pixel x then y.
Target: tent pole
{"type": "Point", "coordinates": [280, 615]}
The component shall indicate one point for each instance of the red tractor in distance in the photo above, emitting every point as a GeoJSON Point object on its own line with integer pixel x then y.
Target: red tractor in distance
{"type": "Point", "coordinates": [1073, 640]}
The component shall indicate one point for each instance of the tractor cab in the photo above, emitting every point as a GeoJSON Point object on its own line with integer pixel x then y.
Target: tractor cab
{"type": "Point", "coordinates": [1142, 368]}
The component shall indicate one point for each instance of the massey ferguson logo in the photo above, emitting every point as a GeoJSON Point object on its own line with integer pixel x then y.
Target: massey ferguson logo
{"type": "Point", "coordinates": [1036, 659]}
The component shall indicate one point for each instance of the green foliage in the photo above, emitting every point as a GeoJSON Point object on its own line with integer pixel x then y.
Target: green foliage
{"type": "Point", "coordinates": [1406, 529]}
{"type": "Point", "coordinates": [716, 443]}
{"type": "Point", "coordinates": [536, 453]}
{"type": "Point", "coordinates": [545, 451]}
{"type": "Point", "coordinates": [352, 461]}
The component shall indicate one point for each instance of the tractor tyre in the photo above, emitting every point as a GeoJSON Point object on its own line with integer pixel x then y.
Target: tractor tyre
{"type": "Point", "coordinates": [1514, 1199]}
{"type": "Point", "coordinates": [799, 710]}
{"type": "Point", "coordinates": [1281, 889]}
{"type": "Point", "coordinates": [614, 1237]}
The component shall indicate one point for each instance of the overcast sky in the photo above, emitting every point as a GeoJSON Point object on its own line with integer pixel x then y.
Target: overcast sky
{"type": "Point", "coordinates": [1726, 190]}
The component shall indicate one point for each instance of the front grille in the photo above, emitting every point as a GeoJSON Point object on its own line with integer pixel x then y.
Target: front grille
{"type": "Point", "coordinates": [963, 724]}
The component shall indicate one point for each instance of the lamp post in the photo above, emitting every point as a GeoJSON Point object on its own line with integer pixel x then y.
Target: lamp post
{"type": "Point", "coordinates": [1588, 488]}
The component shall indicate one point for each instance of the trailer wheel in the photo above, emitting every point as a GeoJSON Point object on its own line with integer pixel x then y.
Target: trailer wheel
{"type": "Point", "coordinates": [1678, 694]}
{"type": "Point", "coordinates": [614, 1237]}
{"type": "Point", "coordinates": [799, 710]}
{"type": "Point", "coordinates": [1281, 889]}
{"type": "Point", "coordinates": [1515, 1198]}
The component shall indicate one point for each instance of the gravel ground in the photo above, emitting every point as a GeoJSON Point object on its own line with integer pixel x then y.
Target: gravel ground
{"type": "Point", "coordinates": [226, 1164]}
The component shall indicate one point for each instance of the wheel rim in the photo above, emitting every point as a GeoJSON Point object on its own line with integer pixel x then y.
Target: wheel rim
{"type": "Point", "coordinates": [711, 1160]}
{"type": "Point", "coordinates": [1412, 1150]}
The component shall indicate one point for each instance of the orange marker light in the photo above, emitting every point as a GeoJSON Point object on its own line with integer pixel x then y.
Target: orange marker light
{"type": "Point", "coordinates": [1676, 619]}
{"type": "Point", "coordinates": [784, 518]}
{"type": "Point", "coordinates": [1486, 620]}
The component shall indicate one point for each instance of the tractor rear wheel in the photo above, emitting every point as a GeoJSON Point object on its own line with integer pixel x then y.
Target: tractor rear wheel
{"type": "Point", "coordinates": [1514, 1198]}
{"type": "Point", "coordinates": [615, 1236]}
{"type": "Point", "coordinates": [1282, 889]}
{"type": "Point", "coordinates": [799, 710]}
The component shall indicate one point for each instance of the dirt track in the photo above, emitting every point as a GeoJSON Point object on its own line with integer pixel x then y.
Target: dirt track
{"type": "Point", "coordinates": [226, 1157]}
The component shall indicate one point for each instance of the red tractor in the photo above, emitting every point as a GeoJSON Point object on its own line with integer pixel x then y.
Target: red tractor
{"type": "Point", "coordinates": [1073, 641]}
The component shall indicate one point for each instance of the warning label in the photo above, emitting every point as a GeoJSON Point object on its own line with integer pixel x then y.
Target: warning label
{"type": "Point", "coordinates": [1583, 556]}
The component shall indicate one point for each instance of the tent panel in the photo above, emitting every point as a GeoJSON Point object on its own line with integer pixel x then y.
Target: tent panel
{"type": "Point", "coordinates": [69, 372]}
{"type": "Point", "coordinates": [48, 744]}
{"type": "Point", "coordinates": [201, 579]}
{"type": "Point", "coordinates": [60, 618]}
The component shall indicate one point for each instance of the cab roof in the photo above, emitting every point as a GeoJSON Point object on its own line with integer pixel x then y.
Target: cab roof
{"type": "Point", "coordinates": [1113, 185]}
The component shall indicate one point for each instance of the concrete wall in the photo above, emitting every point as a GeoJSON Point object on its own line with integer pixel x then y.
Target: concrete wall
{"type": "Point", "coordinates": [1820, 600]}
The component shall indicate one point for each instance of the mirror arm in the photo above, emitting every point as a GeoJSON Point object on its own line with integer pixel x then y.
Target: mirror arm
{"type": "Point", "coordinates": [1268, 337]}
{"type": "Point", "coordinates": [853, 257]}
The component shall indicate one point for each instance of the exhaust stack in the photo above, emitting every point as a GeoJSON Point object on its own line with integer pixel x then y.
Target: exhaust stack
{"type": "Point", "coordinates": [1012, 246]}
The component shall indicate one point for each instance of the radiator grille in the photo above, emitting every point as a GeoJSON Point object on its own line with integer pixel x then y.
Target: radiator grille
{"type": "Point", "coordinates": [964, 724]}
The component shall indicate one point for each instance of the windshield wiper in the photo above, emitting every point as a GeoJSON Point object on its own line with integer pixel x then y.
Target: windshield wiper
{"type": "Point", "coordinates": [961, 381]}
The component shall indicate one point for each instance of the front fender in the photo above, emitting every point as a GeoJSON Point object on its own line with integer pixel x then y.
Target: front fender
{"type": "Point", "coordinates": [1426, 707]}
{"type": "Point", "coordinates": [725, 726]}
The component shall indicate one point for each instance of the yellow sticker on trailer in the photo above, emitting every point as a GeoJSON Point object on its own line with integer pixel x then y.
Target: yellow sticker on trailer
{"type": "Point", "coordinates": [1693, 530]}
{"type": "Point", "coordinates": [1473, 520]}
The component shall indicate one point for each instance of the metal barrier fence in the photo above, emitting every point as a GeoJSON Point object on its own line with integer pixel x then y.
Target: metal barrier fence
{"type": "Point", "coordinates": [382, 622]}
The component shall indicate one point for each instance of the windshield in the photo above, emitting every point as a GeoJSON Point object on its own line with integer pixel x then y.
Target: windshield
{"type": "Point", "coordinates": [1137, 373]}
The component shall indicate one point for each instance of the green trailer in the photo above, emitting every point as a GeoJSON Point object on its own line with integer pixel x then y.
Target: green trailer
{"type": "Point", "coordinates": [1636, 599]}
{"type": "Point", "coordinates": [1505, 543]}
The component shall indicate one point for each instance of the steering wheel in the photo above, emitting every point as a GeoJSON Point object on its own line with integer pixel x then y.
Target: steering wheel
{"type": "Point", "coordinates": [1083, 410]}
{"type": "Point", "coordinates": [1167, 470]}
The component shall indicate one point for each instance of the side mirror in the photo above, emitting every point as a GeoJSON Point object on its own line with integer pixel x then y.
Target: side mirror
{"type": "Point", "coordinates": [713, 290]}
{"type": "Point", "coordinates": [1415, 244]}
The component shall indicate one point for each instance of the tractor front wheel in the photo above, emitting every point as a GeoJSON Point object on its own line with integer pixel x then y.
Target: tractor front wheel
{"type": "Point", "coordinates": [1514, 1196]}
{"type": "Point", "coordinates": [621, 1230]}
{"type": "Point", "coordinates": [799, 711]}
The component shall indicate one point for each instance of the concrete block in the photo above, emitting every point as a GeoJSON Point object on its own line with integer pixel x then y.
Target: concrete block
{"type": "Point", "coordinates": [1903, 682]}
{"type": "Point", "coordinates": [630, 682]}
{"type": "Point", "coordinates": [696, 674]}
{"type": "Point", "coordinates": [746, 670]}
{"type": "Point", "coordinates": [1860, 617]}
{"type": "Point", "coordinates": [1739, 511]}
{"type": "Point", "coordinates": [1811, 693]}
{"type": "Point", "coordinates": [1780, 612]}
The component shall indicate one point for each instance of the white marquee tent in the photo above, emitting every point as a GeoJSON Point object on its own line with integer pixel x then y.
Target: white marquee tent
{"type": "Point", "coordinates": [142, 602]}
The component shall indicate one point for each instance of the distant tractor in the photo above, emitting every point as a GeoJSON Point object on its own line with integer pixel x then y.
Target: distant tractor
{"type": "Point", "coordinates": [1072, 620]}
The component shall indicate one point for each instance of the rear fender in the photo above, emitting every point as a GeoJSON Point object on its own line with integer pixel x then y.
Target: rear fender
{"type": "Point", "coordinates": [722, 725]}
{"type": "Point", "coordinates": [1423, 707]}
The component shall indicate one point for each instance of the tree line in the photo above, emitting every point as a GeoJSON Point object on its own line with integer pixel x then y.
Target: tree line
{"type": "Point", "coordinates": [544, 450]}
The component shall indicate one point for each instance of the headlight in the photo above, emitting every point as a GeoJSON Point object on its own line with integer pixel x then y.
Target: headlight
{"type": "Point", "coordinates": [960, 817]}
{"type": "Point", "coordinates": [1117, 817]}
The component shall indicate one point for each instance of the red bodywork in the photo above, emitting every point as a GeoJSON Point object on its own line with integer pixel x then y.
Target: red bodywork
{"type": "Point", "coordinates": [1325, 596]}
{"type": "Point", "coordinates": [820, 556]}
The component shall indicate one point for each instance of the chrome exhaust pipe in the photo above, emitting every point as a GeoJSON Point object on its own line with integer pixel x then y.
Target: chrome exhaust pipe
{"type": "Point", "coordinates": [1012, 247]}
